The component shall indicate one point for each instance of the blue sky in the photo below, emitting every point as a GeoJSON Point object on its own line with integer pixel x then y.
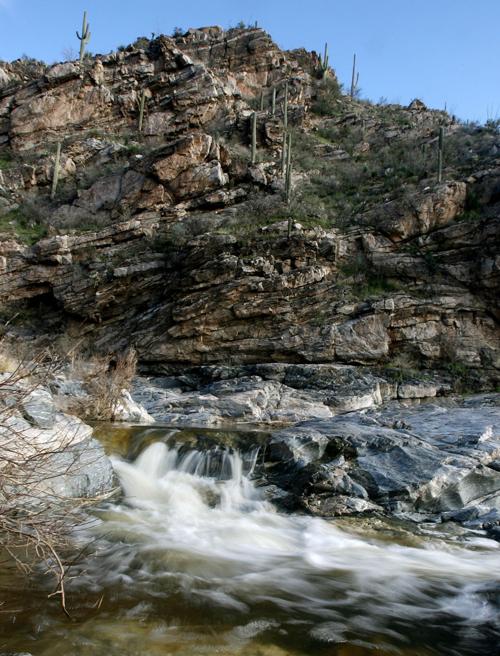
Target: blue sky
{"type": "Point", "coordinates": [442, 51]}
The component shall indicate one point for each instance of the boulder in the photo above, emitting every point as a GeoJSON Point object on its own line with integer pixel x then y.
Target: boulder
{"type": "Point", "coordinates": [129, 411]}
{"type": "Point", "coordinates": [52, 452]}
{"type": "Point", "coordinates": [421, 213]}
{"type": "Point", "coordinates": [430, 460]}
{"type": "Point", "coordinates": [188, 153]}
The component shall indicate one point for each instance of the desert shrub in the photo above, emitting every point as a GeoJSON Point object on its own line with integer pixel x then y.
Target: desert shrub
{"type": "Point", "coordinates": [141, 42]}
{"type": "Point", "coordinates": [327, 101]}
{"type": "Point", "coordinates": [355, 266]}
{"type": "Point", "coordinates": [375, 285]}
{"type": "Point", "coordinates": [35, 521]}
{"type": "Point", "coordinates": [104, 378]}
{"type": "Point", "coordinates": [5, 161]}
{"type": "Point", "coordinates": [403, 367]}
{"type": "Point", "coordinates": [20, 225]}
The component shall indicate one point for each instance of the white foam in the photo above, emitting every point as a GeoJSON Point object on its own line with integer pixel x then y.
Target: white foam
{"type": "Point", "coordinates": [199, 518]}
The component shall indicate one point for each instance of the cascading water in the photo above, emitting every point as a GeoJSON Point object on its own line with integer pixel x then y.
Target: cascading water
{"type": "Point", "coordinates": [194, 524]}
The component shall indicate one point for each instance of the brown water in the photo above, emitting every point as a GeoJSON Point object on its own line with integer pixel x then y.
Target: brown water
{"type": "Point", "coordinates": [194, 561]}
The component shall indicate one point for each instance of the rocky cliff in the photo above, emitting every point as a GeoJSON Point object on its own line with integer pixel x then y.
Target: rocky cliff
{"type": "Point", "coordinates": [163, 235]}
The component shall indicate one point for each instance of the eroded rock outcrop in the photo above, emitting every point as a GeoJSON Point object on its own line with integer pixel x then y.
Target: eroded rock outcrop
{"type": "Point", "coordinates": [166, 239]}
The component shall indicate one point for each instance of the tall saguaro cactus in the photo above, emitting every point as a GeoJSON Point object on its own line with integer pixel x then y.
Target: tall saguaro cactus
{"type": "Point", "coordinates": [288, 181]}
{"type": "Point", "coordinates": [254, 137]}
{"type": "Point", "coordinates": [55, 174]}
{"type": "Point", "coordinates": [354, 78]}
{"type": "Point", "coordinates": [440, 154]}
{"type": "Point", "coordinates": [285, 132]}
{"type": "Point", "coordinates": [285, 107]}
{"type": "Point", "coordinates": [85, 37]}
{"type": "Point", "coordinates": [142, 101]}
{"type": "Point", "coordinates": [283, 154]}
{"type": "Point", "coordinates": [288, 177]}
{"type": "Point", "coordinates": [324, 62]}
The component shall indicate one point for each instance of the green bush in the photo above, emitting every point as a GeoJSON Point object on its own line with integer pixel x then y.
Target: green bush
{"type": "Point", "coordinates": [19, 226]}
{"type": "Point", "coordinates": [5, 161]}
{"type": "Point", "coordinates": [327, 101]}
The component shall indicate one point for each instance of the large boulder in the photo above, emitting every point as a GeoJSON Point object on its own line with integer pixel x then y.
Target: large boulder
{"type": "Point", "coordinates": [45, 453]}
{"type": "Point", "coordinates": [430, 460]}
{"type": "Point", "coordinates": [420, 213]}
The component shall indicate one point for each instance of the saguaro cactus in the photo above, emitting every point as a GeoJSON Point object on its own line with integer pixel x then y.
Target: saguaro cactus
{"type": "Point", "coordinates": [85, 37]}
{"type": "Point", "coordinates": [254, 137]}
{"type": "Point", "coordinates": [285, 107]}
{"type": "Point", "coordinates": [283, 154]}
{"type": "Point", "coordinates": [288, 178]}
{"type": "Point", "coordinates": [288, 181]}
{"type": "Point", "coordinates": [55, 174]}
{"type": "Point", "coordinates": [440, 154]}
{"type": "Point", "coordinates": [273, 104]}
{"type": "Point", "coordinates": [141, 103]}
{"type": "Point", "coordinates": [324, 62]}
{"type": "Point", "coordinates": [354, 78]}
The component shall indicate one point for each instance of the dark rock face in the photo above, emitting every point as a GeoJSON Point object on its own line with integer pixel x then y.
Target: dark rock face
{"type": "Point", "coordinates": [430, 461]}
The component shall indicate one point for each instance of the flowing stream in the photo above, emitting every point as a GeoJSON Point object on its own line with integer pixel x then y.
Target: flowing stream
{"type": "Point", "coordinates": [194, 560]}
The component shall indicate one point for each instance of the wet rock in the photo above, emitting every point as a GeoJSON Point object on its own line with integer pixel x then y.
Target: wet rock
{"type": "Point", "coordinates": [241, 395]}
{"type": "Point", "coordinates": [279, 393]}
{"type": "Point", "coordinates": [430, 459]}
{"type": "Point", "coordinates": [339, 505]}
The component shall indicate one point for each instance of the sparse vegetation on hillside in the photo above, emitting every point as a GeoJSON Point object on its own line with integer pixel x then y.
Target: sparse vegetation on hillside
{"type": "Point", "coordinates": [15, 224]}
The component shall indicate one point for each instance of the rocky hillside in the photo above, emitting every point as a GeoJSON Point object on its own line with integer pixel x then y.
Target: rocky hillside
{"type": "Point", "coordinates": [161, 234]}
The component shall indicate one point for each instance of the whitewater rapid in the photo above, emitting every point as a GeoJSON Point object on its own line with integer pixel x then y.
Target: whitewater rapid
{"type": "Point", "coordinates": [193, 521]}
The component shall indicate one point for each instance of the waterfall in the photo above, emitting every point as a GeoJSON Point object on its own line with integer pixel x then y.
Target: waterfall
{"type": "Point", "coordinates": [196, 522]}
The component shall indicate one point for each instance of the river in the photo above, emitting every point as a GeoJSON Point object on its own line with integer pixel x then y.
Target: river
{"type": "Point", "coordinates": [192, 559]}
